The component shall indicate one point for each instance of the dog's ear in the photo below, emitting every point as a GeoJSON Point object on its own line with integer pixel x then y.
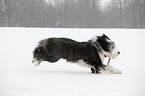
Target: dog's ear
{"type": "Point", "coordinates": [104, 35]}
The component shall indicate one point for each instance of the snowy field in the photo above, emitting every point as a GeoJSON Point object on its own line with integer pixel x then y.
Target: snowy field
{"type": "Point", "coordinates": [18, 77]}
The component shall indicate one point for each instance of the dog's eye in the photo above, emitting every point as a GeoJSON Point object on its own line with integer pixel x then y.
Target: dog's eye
{"type": "Point", "coordinates": [113, 45]}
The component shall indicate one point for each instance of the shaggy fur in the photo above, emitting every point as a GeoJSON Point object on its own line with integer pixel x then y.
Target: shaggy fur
{"type": "Point", "coordinates": [90, 53]}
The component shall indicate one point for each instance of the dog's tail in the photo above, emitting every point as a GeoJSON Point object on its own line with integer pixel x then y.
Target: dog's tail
{"type": "Point", "coordinates": [38, 53]}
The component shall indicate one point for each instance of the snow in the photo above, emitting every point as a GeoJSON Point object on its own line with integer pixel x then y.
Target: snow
{"type": "Point", "coordinates": [18, 77]}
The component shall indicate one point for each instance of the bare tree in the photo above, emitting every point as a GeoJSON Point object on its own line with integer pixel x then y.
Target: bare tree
{"type": "Point", "coordinates": [4, 7]}
{"type": "Point", "coordinates": [138, 13]}
{"type": "Point", "coordinates": [120, 18]}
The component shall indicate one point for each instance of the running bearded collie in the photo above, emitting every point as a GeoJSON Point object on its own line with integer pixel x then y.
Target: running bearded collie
{"type": "Point", "coordinates": [90, 53]}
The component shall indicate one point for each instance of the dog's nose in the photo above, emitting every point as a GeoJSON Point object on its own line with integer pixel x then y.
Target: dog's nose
{"type": "Point", "coordinates": [118, 52]}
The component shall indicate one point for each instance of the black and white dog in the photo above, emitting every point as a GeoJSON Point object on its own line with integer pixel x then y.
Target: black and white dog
{"type": "Point", "coordinates": [90, 53]}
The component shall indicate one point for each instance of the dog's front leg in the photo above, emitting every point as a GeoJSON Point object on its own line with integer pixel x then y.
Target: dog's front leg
{"type": "Point", "coordinates": [112, 70]}
{"type": "Point", "coordinates": [94, 70]}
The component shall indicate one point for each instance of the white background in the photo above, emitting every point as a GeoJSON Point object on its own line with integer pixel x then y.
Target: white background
{"type": "Point", "coordinates": [18, 77]}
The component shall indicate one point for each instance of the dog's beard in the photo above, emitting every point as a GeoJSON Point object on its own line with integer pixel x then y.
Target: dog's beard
{"type": "Point", "coordinates": [114, 53]}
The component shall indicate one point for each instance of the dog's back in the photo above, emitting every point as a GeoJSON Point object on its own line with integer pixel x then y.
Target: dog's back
{"type": "Point", "coordinates": [53, 49]}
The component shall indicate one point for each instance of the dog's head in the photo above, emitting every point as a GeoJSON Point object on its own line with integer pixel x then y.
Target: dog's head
{"type": "Point", "coordinates": [107, 46]}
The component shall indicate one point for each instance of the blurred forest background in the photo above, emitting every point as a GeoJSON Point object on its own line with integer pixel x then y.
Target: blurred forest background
{"type": "Point", "coordinates": [73, 13]}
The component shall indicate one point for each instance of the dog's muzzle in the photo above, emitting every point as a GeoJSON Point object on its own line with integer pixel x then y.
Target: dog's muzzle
{"type": "Point", "coordinates": [114, 54]}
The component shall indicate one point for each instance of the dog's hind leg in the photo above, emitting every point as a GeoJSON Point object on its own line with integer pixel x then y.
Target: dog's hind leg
{"type": "Point", "coordinates": [51, 59]}
{"type": "Point", "coordinates": [36, 62]}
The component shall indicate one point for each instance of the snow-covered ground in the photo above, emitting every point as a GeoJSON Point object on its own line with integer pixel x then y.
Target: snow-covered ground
{"type": "Point", "coordinates": [18, 77]}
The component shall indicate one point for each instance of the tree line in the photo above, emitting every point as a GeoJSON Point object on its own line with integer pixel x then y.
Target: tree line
{"type": "Point", "coordinates": [72, 13]}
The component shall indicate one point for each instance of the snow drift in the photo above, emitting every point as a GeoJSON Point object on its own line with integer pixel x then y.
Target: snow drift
{"type": "Point", "coordinates": [18, 77]}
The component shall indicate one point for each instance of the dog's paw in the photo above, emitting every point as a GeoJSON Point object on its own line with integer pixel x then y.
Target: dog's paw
{"type": "Point", "coordinates": [113, 70]}
{"type": "Point", "coordinates": [116, 71]}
